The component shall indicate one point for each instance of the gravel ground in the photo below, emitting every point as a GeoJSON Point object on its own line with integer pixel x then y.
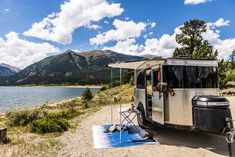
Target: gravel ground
{"type": "Point", "coordinates": [172, 143]}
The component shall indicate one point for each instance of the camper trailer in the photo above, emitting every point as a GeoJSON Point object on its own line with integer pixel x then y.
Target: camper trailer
{"type": "Point", "coordinates": [180, 93]}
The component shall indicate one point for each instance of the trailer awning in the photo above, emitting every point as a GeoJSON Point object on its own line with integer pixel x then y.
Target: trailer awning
{"type": "Point", "coordinates": [137, 64]}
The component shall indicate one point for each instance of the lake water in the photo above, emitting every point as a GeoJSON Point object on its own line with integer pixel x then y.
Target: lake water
{"type": "Point", "coordinates": [12, 98]}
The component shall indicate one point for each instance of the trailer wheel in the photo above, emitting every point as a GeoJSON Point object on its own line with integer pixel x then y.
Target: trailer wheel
{"type": "Point", "coordinates": [141, 116]}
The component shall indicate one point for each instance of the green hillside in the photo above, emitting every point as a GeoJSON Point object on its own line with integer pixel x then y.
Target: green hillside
{"type": "Point", "coordinates": [69, 68]}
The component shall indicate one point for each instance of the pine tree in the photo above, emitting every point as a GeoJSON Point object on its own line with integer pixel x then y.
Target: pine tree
{"type": "Point", "coordinates": [192, 43]}
{"type": "Point", "coordinates": [87, 96]}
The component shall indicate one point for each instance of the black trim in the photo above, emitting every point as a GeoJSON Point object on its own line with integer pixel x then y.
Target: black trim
{"type": "Point", "coordinates": [171, 126]}
{"type": "Point", "coordinates": [211, 120]}
{"type": "Point", "coordinates": [210, 98]}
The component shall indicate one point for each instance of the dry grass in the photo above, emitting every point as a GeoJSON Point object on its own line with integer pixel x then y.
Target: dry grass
{"type": "Point", "coordinates": [228, 90]}
{"type": "Point", "coordinates": [24, 143]}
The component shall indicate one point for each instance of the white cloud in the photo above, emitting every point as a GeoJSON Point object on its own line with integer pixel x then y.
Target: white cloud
{"type": "Point", "coordinates": [194, 2]}
{"type": "Point", "coordinates": [94, 26]}
{"type": "Point", "coordinates": [128, 46]}
{"type": "Point", "coordinates": [153, 25]}
{"type": "Point", "coordinates": [21, 53]}
{"type": "Point", "coordinates": [58, 27]}
{"type": "Point", "coordinates": [164, 46]}
{"type": "Point", "coordinates": [106, 22]}
{"type": "Point", "coordinates": [219, 23]}
{"type": "Point", "coordinates": [123, 30]}
{"type": "Point", "coordinates": [7, 10]}
{"type": "Point", "coordinates": [148, 35]}
{"type": "Point", "coordinates": [224, 46]}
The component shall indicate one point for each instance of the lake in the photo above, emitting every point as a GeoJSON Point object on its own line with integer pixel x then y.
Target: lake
{"type": "Point", "coordinates": [12, 98]}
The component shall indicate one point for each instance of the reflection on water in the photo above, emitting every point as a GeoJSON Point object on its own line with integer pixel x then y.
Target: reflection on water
{"type": "Point", "coordinates": [20, 97]}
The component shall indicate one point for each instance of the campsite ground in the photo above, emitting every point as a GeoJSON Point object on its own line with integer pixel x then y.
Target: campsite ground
{"type": "Point", "coordinates": [172, 143]}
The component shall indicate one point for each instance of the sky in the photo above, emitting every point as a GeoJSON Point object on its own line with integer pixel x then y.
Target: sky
{"type": "Point", "coordinates": [32, 30]}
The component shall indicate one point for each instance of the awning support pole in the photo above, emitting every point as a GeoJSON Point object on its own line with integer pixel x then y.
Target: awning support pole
{"type": "Point", "coordinates": [120, 105]}
{"type": "Point", "coordinates": [120, 76]}
{"type": "Point", "coordinates": [111, 87]}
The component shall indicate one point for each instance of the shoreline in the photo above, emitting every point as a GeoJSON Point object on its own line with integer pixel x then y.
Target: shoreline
{"type": "Point", "coordinates": [41, 104]}
{"type": "Point", "coordinates": [38, 106]}
{"type": "Point", "coordinates": [67, 86]}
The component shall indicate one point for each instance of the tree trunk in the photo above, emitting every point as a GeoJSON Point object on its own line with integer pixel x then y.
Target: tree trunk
{"type": "Point", "coordinates": [3, 135]}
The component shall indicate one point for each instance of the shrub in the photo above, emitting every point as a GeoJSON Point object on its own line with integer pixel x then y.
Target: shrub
{"type": "Point", "coordinates": [230, 75]}
{"type": "Point", "coordinates": [223, 68]}
{"type": "Point", "coordinates": [131, 81]}
{"type": "Point", "coordinates": [103, 88]}
{"type": "Point", "coordinates": [87, 96]}
{"type": "Point", "coordinates": [71, 113]}
{"type": "Point", "coordinates": [114, 84]}
{"type": "Point", "coordinates": [52, 122]}
{"type": "Point", "coordinates": [23, 118]}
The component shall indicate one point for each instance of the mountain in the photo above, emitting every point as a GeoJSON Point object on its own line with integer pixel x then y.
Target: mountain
{"type": "Point", "coordinates": [7, 70]}
{"type": "Point", "coordinates": [70, 67]}
{"type": "Point", "coordinates": [150, 56]}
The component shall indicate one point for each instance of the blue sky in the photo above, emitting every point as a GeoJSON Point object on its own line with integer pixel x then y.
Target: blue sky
{"type": "Point", "coordinates": [32, 30]}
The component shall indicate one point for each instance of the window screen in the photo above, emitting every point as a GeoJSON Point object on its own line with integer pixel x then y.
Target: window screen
{"type": "Point", "coordinates": [190, 76]}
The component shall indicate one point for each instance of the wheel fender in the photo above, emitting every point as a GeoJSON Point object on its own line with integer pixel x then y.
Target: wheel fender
{"type": "Point", "coordinates": [140, 107]}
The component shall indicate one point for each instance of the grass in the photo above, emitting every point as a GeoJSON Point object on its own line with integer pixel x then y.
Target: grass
{"type": "Point", "coordinates": [32, 145]}
{"type": "Point", "coordinates": [23, 118]}
{"type": "Point", "coordinates": [42, 121]}
{"type": "Point", "coordinates": [35, 132]}
{"type": "Point", "coordinates": [228, 89]}
{"type": "Point", "coordinates": [51, 122]}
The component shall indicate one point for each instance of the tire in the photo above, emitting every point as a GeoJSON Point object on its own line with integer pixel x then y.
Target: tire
{"type": "Point", "coordinates": [141, 119]}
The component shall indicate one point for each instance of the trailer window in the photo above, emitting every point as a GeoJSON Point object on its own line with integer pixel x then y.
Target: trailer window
{"type": "Point", "coordinates": [190, 76]}
{"type": "Point", "coordinates": [141, 80]}
{"type": "Point", "coordinates": [173, 75]}
{"type": "Point", "coordinates": [200, 77]}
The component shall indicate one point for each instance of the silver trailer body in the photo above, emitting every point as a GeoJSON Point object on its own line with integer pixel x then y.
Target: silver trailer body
{"type": "Point", "coordinates": [181, 93]}
{"type": "Point", "coordinates": [171, 109]}
{"type": "Point", "coordinates": [177, 109]}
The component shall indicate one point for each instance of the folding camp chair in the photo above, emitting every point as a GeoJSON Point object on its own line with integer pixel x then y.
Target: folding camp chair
{"type": "Point", "coordinates": [127, 116]}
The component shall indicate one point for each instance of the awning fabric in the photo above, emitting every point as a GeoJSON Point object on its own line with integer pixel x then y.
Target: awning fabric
{"type": "Point", "coordinates": [137, 64]}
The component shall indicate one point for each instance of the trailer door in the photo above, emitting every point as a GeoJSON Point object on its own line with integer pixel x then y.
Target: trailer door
{"type": "Point", "coordinates": [157, 97]}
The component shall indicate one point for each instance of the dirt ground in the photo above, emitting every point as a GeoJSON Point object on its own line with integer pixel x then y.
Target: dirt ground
{"type": "Point", "coordinates": [172, 143]}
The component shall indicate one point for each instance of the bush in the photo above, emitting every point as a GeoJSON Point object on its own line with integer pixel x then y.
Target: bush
{"type": "Point", "coordinates": [131, 81]}
{"type": "Point", "coordinates": [103, 88]}
{"type": "Point", "coordinates": [71, 113]}
{"type": "Point", "coordinates": [114, 84]}
{"type": "Point", "coordinates": [223, 68]}
{"type": "Point", "coordinates": [23, 118]}
{"type": "Point", "coordinates": [52, 122]}
{"type": "Point", "coordinates": [41, 121]}
{"type": "Point", "coordinates": [87, 96]}
{"type": "Point", "coordinates": [231, 75]}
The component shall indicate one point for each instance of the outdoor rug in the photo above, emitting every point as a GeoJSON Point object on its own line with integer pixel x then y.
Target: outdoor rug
{"type": "Point", "coordinates": [130, 137]}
